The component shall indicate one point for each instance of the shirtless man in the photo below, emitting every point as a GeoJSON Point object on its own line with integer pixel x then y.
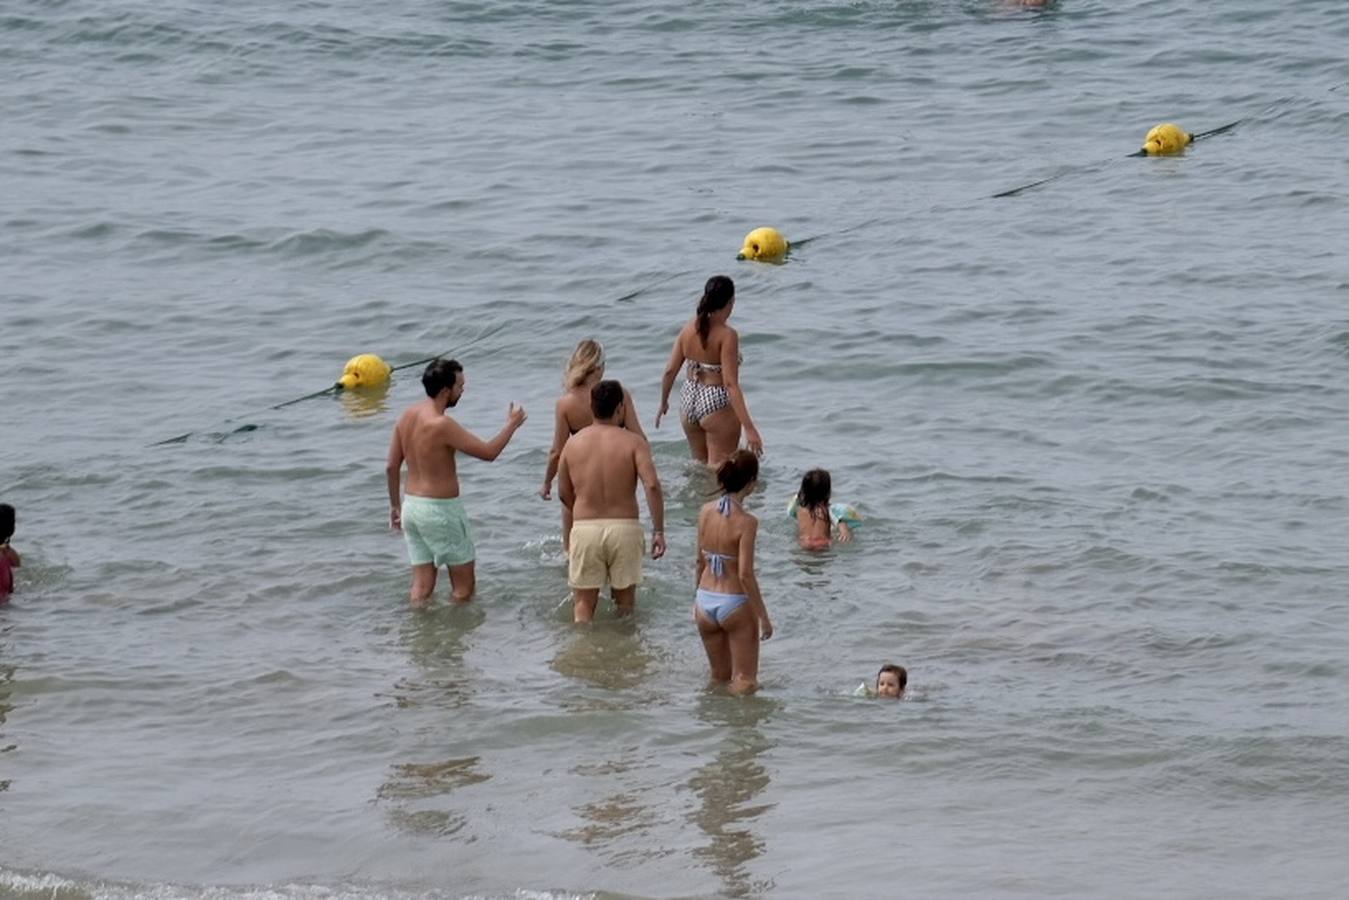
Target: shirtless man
{"type": "Point", "coordinates": [430, 516]}
{"type": "Point", "coordinates": [597, 480]}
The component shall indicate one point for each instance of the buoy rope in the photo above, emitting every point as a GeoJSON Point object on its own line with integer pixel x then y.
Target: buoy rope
{"type": "Point", "coordinates": [334, 388]}
{"type": "Point", "coordinates": [1198, 136]}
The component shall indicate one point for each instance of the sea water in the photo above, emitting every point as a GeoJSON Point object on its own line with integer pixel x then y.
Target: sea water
{"type": "Point", "coordinates": [1097, 430]}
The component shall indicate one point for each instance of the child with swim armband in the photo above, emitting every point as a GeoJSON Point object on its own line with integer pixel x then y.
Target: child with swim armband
{"type": "Point", "coordinates": [9, 557]}
{"type": "Point", "coordinates": [816, 518]}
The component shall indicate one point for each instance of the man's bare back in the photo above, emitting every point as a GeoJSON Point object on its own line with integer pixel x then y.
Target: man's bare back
{"type": "Point", "coordinates": [604, 463]}
{"type": "Point", "coordinates": [597, 481]}
{"type": "Point", "coordinates": [425, 434]}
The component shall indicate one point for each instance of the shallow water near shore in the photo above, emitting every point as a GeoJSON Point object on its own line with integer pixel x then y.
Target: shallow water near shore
{"type": "Point", "coordinates": [1096, 430]}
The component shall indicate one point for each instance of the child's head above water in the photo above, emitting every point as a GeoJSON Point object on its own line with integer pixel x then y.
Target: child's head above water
{"type": "Point", "coordinates": [815, 489]}
{"type": "Point", "coordinates": [891, 680]}
{"type": "Point", "coordinates": [739, 470]}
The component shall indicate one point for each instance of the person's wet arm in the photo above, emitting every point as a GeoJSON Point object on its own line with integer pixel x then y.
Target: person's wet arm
{"type": "Point", "coordinates": [460, 438]}
{"type": "Point", "coordinates": [631, 421]}
{"type": "Point", "coordinates": [667, 379]}
{"type": "Point", "coordinates": [700, 561]}
{"type": "Point", "coordinates": [561, 431]}
{"type": "Point", "coordinates": [566, 491]}
{"type": "Point", "coordinates": [730, 379]}
{"type": "Point", "coordinates": [393, 469]}
{"type": "Point", "coordinates": [748, 580]}
{"type": "Point", "coordinates": [655, 499]}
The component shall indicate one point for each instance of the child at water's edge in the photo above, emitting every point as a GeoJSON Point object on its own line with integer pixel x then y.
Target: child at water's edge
{"type": "Point", "coordinates": [9, 557]}
{"type": "Point", "coordinates": [814, 523]}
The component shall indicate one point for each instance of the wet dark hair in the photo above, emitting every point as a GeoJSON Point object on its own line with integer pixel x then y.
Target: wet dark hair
{"type": "Point", "coordinates": [739, 469]}
{"type": "Point", "coordinates": [816, 488]}
{"type": "Point", "coordinates": [900, 672]}
{"type": "Point", "coordinates": [6, 522]}
{"type": "Point", "coordinates": [717, 294]}
{"type": "Point", "coordinates": [604, 398]}
{"type": "Point", "coordinates": [440, 374]}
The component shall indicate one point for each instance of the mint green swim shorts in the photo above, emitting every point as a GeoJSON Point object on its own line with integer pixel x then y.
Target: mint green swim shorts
{"type": "Point", "coordinates": [436, 531]}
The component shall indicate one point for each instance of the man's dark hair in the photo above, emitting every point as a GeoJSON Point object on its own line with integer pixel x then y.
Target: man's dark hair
{"type": "Point", "coordinates": [440, 374]}
{"type": "Point", "coordinates": [6, 522]}
{"type": "Point", "coordinates": [604, 399]}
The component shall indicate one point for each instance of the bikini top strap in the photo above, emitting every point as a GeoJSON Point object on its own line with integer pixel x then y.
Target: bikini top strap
{"type": "Point", "coordinates": [717, 562]}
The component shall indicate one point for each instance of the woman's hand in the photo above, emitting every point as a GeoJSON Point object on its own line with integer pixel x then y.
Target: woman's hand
{"type": "Point", "coordinates": [664, 408]}
{"type": "Point", "coordinates": [547, 492]}
{"type": "Point", "coordinates": [765, 629]}
{"type": "Point", "coordinates": [754, 440]}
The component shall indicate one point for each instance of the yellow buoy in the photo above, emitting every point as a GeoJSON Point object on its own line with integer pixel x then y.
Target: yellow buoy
{"type": "Point", "coordinates": [366, 370]}
{"type": "Point", "coordinates": [1166, 138]}
{"type": "Point", "coordinates": [764, 244]}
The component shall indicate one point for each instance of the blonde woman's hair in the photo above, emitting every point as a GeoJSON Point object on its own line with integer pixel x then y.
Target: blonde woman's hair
{"type": "Point", "coordinates": [586, 360]}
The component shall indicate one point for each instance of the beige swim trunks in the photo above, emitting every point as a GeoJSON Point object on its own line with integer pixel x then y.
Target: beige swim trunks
{"type": "Point", "coordinates": [606, 550]}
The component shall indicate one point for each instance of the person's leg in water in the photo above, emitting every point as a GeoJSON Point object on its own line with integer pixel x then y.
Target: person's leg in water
{"type": "Point", "coordinates": [714, 642]}
{"type": "Point", "coordinates": [583, 603]}
{"type": "Point", "coordinates": [625, 599]}
{"type": "Point", "coordinates": [463, 582]}
{"type": "Point", "coordinates": [697, 439]}
{"type": "Point", "coordinates": [423, 585]}
{"type": "Point", "coordinates": [723, 435]}
{"type": "Point", "coordinates": [625, 550]}
{"type": "Point", "coordinates": [586, 568]}
{"type": "Point", "coordinates": [742, 637]}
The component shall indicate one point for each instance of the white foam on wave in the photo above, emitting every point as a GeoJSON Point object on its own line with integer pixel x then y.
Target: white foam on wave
{"type": "Point", "coordinates": [16, 885]}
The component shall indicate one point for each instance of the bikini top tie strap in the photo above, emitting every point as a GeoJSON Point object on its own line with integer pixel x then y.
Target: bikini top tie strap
{"type": "Point", "coordinates": [717, 562]}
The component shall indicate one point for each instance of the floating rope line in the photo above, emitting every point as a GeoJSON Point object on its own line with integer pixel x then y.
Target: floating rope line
{"type": "Point", "coordinates": [334, 389]}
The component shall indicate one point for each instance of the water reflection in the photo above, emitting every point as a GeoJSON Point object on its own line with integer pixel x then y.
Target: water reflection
{"type": "Point", "coordinates": [608, 654]}
{"type": "Point", "coordinates": [410, 785]}
{"type": "Point", "coordinates": [727, 787]}
{"type": "Point", "coordinates": [436, 639]}
{"type": "Point", "coordinates": [813, 565]}
{"type": "Point", "coordinates": [361, 403]}
{"type": "Point", "coordinates": [6, 691]}
{"type": "Point", "coordinates": [619, 825]}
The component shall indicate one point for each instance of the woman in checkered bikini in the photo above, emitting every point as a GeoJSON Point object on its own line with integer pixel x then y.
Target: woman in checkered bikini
{"type": "Point", "coordinates": [711, 406]}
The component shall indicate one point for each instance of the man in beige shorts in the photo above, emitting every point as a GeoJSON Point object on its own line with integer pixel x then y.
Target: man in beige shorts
{"type": "Point", "coordinates": [597, 480]}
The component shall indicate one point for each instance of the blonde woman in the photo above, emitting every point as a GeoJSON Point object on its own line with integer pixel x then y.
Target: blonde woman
{"type": "Point", "coordinates": [572, 413]}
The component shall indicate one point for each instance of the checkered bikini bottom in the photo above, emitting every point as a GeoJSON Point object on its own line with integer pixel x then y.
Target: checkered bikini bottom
{"type": "Point", "coordinates": [698, 401]}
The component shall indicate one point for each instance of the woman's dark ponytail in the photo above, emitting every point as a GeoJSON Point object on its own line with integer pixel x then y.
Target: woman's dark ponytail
{"type": "Point", "coordinates": [717, 294]}
{"type": "Point", "coordinates": [739, 469]}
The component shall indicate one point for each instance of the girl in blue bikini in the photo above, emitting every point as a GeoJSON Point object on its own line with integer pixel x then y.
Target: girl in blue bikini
{"type": "Point", "coordinates": [728, 609]}
{"type": "Point", "coordinates": [711, 407]}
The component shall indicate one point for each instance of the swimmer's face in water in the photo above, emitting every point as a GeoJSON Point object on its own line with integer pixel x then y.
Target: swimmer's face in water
{"type": "Point", "coordinates": [887, 685]}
